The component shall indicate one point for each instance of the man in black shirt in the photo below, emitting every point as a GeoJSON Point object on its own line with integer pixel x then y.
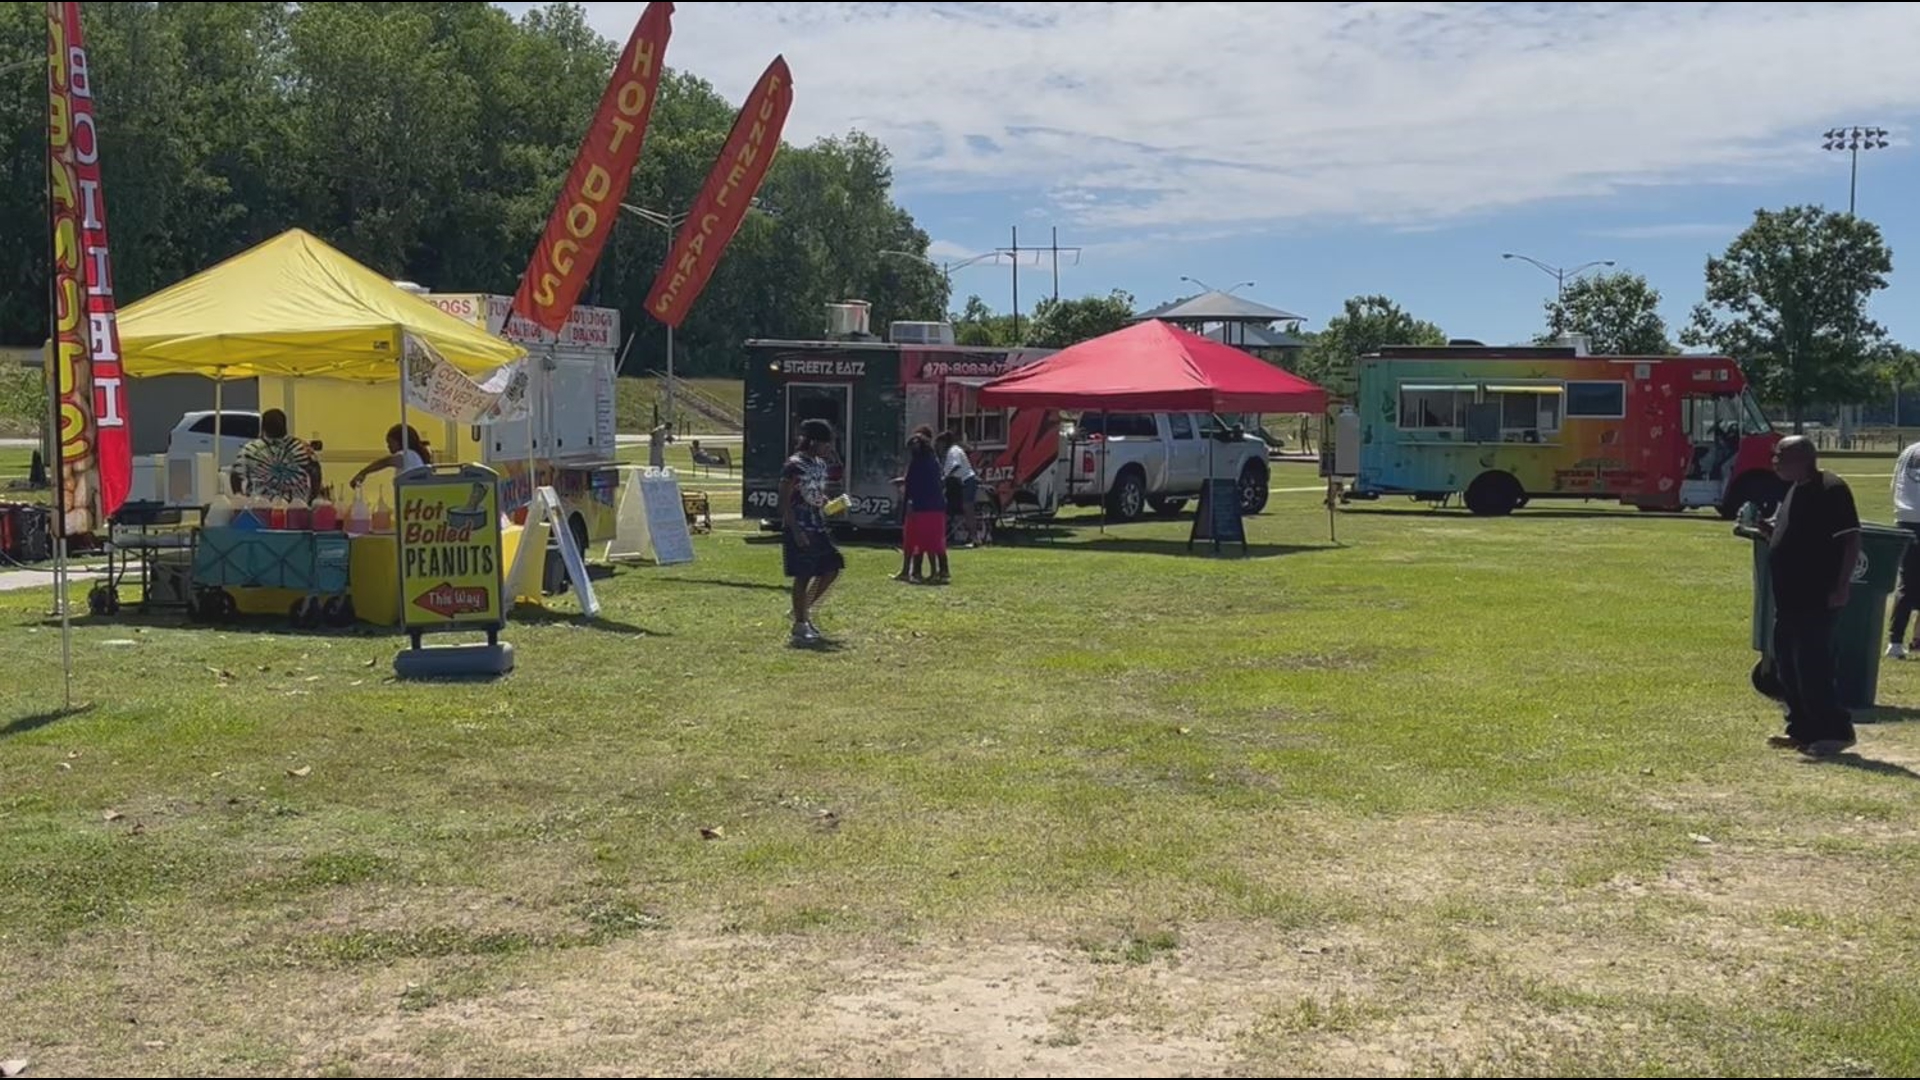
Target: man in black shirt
{"type": "Point", "coordinates": [1815, 548]}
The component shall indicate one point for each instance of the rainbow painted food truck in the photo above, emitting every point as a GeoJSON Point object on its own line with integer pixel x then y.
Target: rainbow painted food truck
{"type": "Point", "coordinates": [875, 393]}
{"type": "Point", "coordinates": [1502, 427]}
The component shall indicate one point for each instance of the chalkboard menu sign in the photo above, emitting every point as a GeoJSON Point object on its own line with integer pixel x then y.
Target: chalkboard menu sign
{"type": "Point", "coordinates": [1218, 520]}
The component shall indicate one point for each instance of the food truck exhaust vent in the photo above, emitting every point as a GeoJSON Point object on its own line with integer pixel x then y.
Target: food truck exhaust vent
{"type": "Point", "coordinates": [849, 319]}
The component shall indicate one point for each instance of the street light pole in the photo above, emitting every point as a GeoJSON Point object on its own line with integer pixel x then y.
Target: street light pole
{"type": "Point", "coordinates": [670, 224]}
{"type": "Point", "coordinates": [1559, 275]}
{"type": "Point", "coordinates": [945, 269]}
{"type": "Point", "coordinates": [1853, 140]}
{"type": "Point", "coordinates": [1229, 292]}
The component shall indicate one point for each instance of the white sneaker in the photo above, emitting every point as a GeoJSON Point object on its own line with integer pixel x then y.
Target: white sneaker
{"type": "Point", "coordinates": [1896, 651]}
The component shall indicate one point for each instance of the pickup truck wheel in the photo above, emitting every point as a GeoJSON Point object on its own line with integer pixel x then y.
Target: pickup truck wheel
{"type": "Point", "coordinates": [1254, 490]}
{"type": "Point", "coordinates": [1494, 494]}
{"type": "Point", "coordinates": [1169, 507]}
{"type": "Point", "coordinates": [1129, 498]}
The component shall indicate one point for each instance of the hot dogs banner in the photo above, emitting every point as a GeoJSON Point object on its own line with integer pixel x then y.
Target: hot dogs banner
{"type": "Point", "coordinates": [591, 198]}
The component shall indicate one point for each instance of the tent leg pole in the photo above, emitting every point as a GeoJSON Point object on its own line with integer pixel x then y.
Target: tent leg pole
{"type": "Point", "coordinates": [400, 616]}
{"type": "Point", "coordinates": [220, 481]}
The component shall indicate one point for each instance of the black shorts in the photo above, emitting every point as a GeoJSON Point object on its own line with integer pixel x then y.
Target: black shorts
{"type": "Point", "coordinates": [818, 559]}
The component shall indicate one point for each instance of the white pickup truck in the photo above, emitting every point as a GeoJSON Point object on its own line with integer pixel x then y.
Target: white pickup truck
{"type": "Point", "coordinates": [1133, 461]}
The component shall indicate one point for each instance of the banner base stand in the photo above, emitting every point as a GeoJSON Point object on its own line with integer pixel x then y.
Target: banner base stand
{"type": "Point", "coordinates": [474, 661]}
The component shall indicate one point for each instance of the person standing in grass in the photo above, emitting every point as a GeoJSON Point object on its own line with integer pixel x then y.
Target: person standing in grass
{"type": "Point", "coordinates": [963, 481]}
{"type": "Point", "coordinates": [1814, 543]}
{"type": "Point", "coordinates": [807, 550]}
{"type": "Point", "coordinates": [925, 538]}
{"type": "Point", "coordinates": [1906, 513]}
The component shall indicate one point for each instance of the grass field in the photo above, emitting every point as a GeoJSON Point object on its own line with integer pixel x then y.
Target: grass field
{"type": "Point", "coordinates": [1455, 797]}
{"type": "Point", "coordinates": [638, 399]}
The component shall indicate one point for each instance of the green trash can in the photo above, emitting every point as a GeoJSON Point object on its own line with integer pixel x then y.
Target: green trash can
{"type": "Point", "coordinates": [1859, 635]}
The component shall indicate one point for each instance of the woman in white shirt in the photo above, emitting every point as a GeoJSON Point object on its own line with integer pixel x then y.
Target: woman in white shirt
{"type": "Point", "coordinates": [958, 472]}
{"type": "Point", "coordinates": [407, 451]}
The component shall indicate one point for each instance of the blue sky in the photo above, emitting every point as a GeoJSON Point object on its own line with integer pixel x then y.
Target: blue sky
{"type": "Point", "coordinates": [1328, 150]}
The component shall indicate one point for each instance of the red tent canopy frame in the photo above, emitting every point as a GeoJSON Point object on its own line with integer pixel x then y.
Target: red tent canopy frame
{"type": "Point", "coordinates": [1154, 367]}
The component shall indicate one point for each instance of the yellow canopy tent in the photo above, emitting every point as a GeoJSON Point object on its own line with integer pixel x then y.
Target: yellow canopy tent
{"type": "Point", "coordinates": [294, 307]}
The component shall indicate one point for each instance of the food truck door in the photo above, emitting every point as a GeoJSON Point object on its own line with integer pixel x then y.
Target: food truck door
{"type": "Point", "coordinates": [832, 402]}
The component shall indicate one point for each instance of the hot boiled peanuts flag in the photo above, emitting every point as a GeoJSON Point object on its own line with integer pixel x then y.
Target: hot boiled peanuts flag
{"type": "Point", "coordinates": [591, 198]}
{"type": "Point", "coordinates": [723, 203]}
{"type": "Point", "coordinates": [95, 447]}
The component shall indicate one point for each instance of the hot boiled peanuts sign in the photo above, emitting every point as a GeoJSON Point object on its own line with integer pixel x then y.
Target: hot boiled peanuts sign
{"type": "Point", "coordinates": [450, 566]}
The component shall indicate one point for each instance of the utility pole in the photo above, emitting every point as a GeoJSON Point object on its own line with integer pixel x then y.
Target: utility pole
{"type": "Point", "coordinates": [1015, 252]}
{"type": "Point", "coordinates": [1057, 249]}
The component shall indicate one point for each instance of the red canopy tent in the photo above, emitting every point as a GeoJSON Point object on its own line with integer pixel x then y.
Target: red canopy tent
{"type": "Point", "coordinates": [1154, 367]}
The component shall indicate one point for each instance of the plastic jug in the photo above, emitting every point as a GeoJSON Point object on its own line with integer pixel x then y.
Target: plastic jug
{"type": "Point", "coordinates": [219, 512]}
{"type": "Point", "coordinates": [383, 517]}
{"type": "Point", "coordinates": [323, 517]}
{"type": "Point", "coordinates": [277, 514]}
{"type": "Point", "coordinates": [359, 521]}
{"type": "Point", "coordinates": [247, 516]}
{"type": "Point", "coordinates": [299, 515]}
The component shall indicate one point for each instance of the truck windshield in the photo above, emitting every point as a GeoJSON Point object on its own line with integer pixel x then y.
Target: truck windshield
{"type": "Point", "coordinates": [1752, 420]}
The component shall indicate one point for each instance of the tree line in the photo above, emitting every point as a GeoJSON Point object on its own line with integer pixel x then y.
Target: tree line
{"type": "Point", "coordinates": [429, 141]}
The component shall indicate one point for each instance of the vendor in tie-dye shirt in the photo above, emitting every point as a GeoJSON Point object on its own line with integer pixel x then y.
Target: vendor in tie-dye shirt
{"type": "Point", "coordinates": [277, 466]}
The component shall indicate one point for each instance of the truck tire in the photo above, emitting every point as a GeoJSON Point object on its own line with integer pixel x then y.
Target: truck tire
{"type": "Point", "coordinates": [1128, 500]}
{"type": "Point", "coordinates": [1759, 487]}
{"type": "Point", "coordinates": [1168, 507]}
{"type": "Point", "coordinates": [1494, 494]}
{"type": "Point", "coordinates": [1254, 488]}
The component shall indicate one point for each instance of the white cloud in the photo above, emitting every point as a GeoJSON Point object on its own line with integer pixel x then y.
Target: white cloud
{"type": "Point", "coordinates": [1161, 115]}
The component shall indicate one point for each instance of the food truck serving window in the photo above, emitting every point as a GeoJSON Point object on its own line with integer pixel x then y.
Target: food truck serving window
{"type": "Point", "coordinates": [1528, 411]}
{"type": "Point", "coordinates": [1434, 407]}
{"type": "Point", "coordinates": [978, 427]}
{"type": "Point", "coordinates": [1596, 400]}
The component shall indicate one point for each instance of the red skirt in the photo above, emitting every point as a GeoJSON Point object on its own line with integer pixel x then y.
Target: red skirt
{"type": "Point", "coordinates": [926, 533]}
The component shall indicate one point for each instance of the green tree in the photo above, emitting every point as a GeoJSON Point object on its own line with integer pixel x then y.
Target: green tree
{"type": "Point", "coordinates": [977, 326]}
{"type": "Point", "coordinates": [1619, 312]}
{"type": "Point", "coordinates": [429, 140]}
{"type": "Point", "coordinates": [23, 399]}
{"type": "Point", "coordinates": [1057, 324]}
{"type": "Point", "coordinates": [1899, 368]}
{"type": "Point", "coordinates": [1789, 299]}
{"type": "Point", "coordinates": [1366, 324]}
